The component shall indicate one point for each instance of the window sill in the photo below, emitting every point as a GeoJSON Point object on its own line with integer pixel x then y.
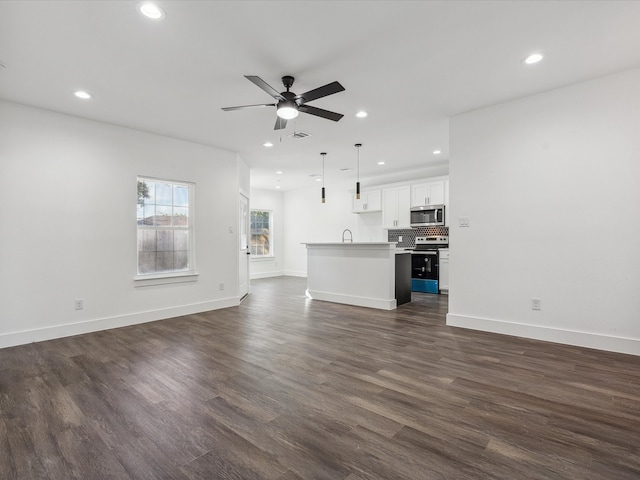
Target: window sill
{"type": "Point", "coordinates": [262, 258]}
{"type": "Point", "coordinates": [164, 279]}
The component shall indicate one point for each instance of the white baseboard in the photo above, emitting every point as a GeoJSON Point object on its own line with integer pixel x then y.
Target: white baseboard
{"type": "Point", "coordinates": [66, 330]}
{"type": "Point", "coordinates": [294, 273]}
{"type": "Point", "coordinates": [569, 337]}
{"type": "Point", "coordinates": [353, 300]}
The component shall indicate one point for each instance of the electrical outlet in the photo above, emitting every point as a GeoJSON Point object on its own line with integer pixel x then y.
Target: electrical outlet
{"type": "Point", "coordinates": [535, 304]}
{"type": "Point", "coordinates": [79, 302]}
{"type": "Point", "coordinates": [399, 238]}
{"type": "Point", "coordinates": [221, 286]}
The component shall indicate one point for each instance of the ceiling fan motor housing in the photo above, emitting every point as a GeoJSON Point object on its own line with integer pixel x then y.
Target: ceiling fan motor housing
{"type": "Point", "coordinates": [287, 81]}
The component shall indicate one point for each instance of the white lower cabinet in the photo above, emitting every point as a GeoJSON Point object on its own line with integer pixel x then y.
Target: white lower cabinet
{"type": "Point", "coordinates": [443, 276]}
{"type": "Point", "coordinates": [396, 204]}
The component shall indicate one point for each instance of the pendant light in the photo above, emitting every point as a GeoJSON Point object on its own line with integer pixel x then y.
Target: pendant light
{"type": "Point", "coordinates": [323, 155]}
{"type": "Point", "coordinates": [358, 145]}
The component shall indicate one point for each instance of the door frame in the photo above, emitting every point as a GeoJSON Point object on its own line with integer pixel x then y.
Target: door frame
{"type": "Point", "coordinates": [244, 252]}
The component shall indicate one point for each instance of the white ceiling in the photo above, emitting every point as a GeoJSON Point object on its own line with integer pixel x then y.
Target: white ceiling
{"type": "Point", "coordinates": [411, 65]}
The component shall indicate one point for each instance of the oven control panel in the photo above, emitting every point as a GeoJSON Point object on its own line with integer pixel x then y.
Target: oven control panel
{"type": "Point", "coordinates": [435, 240]}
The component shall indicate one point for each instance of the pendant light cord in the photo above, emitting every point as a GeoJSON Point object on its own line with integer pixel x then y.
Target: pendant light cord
{"type": "Point", "coordinates": [323, 194]}
{"type": "Point", "coordinates": [358, 163]}
{"type": "Point", "coordinates": [358, 145]}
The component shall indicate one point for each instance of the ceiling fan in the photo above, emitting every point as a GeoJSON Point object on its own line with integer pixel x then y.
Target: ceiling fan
{"type": "Point", "coordinates": [289, 104]}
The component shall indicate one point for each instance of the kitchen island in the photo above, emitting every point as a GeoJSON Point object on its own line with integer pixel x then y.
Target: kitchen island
{"type": "Point", "coordinates": [358, 273]}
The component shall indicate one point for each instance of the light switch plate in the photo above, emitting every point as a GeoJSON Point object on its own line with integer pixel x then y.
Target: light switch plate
{"type": "Point", "coordinates": [463, 221]}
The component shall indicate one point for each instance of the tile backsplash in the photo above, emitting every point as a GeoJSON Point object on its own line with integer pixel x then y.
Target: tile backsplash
{"type": "Point", "coordinates": [409, 235]}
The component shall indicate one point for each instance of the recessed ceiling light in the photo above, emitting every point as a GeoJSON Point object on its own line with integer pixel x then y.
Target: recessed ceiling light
{"type": "Point", "coordinates": [267, 144]}
{"type": "Point", "coordinates": [151, 10]}
{"type": "Point", "coordinates": [82, 94]}
{"type": "Point", "coordinates": [380, 163]}
{"type": "Point", "coordinates": [361, 114]}
{"type": "Point", "coordinates": [437, 152]}
{"type": "Point", "coordinates": [277, 186]}
{"type": "Point", "coordinates": [533, 58]}
{"type": "Point", "coordinates": [318, 179]}
{"type": "Point", "coordinates": [279, 172]}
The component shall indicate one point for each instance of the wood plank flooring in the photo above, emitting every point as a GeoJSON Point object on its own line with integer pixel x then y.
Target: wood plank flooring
{"type": "Point", "coordinates": [283, 387]}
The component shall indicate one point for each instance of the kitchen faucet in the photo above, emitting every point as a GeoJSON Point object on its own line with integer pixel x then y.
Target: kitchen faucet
{"type": "Point", "coordinates": [350, 235]}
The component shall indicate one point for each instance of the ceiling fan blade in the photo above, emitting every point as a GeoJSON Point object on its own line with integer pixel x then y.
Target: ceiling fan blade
{"type": "Point", "coordinates": [264, 86]}
{"type": "Point", "coordinates": [242, 107]}
{"type": "Point", "coordinates": [319, 112]}
{"type": "Point", "coordinates": [280, 123]}
{"type": "Point", "coordinates": [328, 89]}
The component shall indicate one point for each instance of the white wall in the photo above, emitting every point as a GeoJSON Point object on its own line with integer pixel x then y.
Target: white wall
{"type": "Point", "coordinates": [244, 177]}
{"type": "Point", "coordinates": [67, 203]}
{"type": "Point", "coordinates": [273, 201]}
{"type": "Point", "coordinates": [307, 219]}
{"type": "Point", "coordinates": [550, 185]}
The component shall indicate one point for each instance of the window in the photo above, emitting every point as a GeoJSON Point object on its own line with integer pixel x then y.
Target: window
{"type": "Point", "coordinates": [261, 239]}
{"type": "Point", "coordinates": [165, 227]}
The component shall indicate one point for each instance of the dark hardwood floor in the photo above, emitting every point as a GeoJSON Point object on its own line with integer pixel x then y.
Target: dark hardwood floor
{"type": "Point", "coordinates": [288, 388]}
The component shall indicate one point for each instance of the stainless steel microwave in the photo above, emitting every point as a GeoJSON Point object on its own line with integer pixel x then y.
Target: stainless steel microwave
{"type": "Point", "coordinates": [427, 215]}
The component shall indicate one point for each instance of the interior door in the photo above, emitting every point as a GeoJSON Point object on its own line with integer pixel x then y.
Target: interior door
{"type": "Point", "coordinates": [243, 264]}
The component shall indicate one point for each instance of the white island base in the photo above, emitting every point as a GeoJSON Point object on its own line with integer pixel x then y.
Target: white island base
{"type": "Point", "coordinates": [361, 274]}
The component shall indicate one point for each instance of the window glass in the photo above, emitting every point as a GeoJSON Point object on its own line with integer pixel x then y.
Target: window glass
{"type": "Point", "coordinates": [261, 233]}
{"type": "Point", "coordinates": [164, 226]}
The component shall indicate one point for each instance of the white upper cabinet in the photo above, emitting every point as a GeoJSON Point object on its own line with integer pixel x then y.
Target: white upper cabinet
{"type": "Point", "coordinates": [431, 193]}
{"type": "Point", "coordinates": [396, 204]}
{"type": "Point", "coordinates": [370, 201]}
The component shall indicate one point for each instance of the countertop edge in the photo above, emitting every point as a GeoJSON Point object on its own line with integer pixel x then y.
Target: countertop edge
{"type": "Point", "coordinates": [350, 244]}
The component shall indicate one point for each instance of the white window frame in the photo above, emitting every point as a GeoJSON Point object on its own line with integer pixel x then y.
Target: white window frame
{"type": "Point", "coordinates": [175, 276]}
{"type": "Point", "coordinates": [271, 246]}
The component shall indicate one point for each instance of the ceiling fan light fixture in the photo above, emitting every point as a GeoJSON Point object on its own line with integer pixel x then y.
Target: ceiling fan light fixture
{"type": "Point", "coordinates": [287, 109]}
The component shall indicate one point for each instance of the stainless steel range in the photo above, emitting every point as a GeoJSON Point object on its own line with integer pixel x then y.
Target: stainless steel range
{"type": "Point", "coordinates": [425, 263]}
